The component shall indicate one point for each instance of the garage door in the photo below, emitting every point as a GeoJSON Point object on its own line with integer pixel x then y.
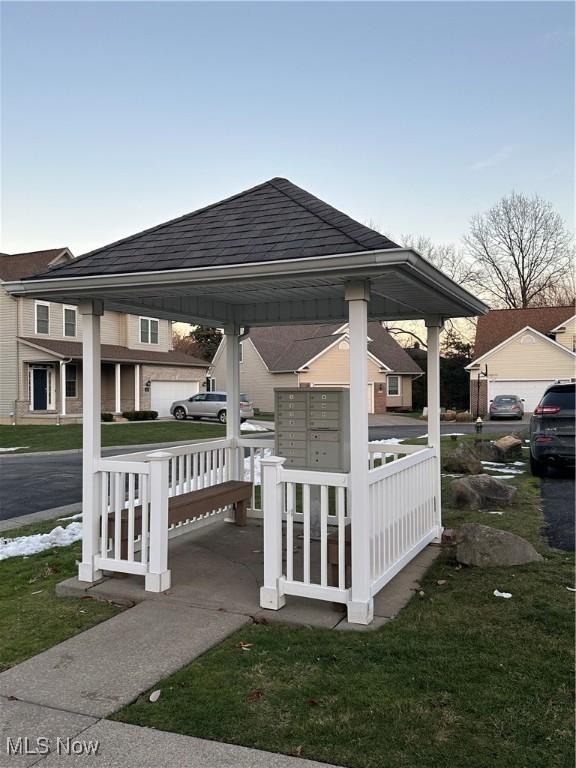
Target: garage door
{"type": "Point", "coordinates": [530, 391]}
{"type": "Point", "coordinates": [346, 386]}
{"type": "Point", "coordinates": [163, 394]}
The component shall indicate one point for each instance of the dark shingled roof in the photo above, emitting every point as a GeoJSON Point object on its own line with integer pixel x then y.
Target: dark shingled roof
{"type": "Point", "coordinates": [275, 220]}
{"type": "Point", "coordinates": [499, 324]}
{"type": "Point", "coordinates": [288, 348]}
{"type": "Point", "coordinates": [16, 266]}
{"type": "Point", "coordinates": [118, 354]}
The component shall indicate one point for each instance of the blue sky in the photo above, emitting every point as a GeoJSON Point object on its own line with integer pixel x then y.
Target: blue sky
{"type": "Point", "coordinates": [117, 116]}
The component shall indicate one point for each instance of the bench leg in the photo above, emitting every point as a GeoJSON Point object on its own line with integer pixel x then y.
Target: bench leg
{"type": "Point", "coordinates": [240, 513]}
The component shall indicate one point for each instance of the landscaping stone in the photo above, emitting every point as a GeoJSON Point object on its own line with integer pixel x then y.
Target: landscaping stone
{"type": "Point", "coordinates": [509, 448]}
{"type": "Point", "coordinates": [481, 492]}
{"type": "Point", "coordinates": [486, 547]}
{"type": "Point", "coordinates": [462, 461]}
{"type": "Point", "coordinates": [448, 416]}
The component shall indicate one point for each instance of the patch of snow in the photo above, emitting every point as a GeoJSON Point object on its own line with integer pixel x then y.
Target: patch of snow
{"type": "Point", "coordinates": [249, 427]}
{"type": "Point", "coordinates": [71, 517]}
{"type": "Point", "coordinates": [387, 441]}
{"type": "Point", "coordinates": [493, 466]}
{"type": "Point", "coordinates": [497, 593]}
{"type": "Point", "coordinates": [451, 434]}
{"type": "Point", "coordinates": [494, 512]}
{"type": "Point", "coordinates": [16, 448]}
{"type": "Point", "coordinates": [38, 542]}
{"type": "Point", "coordinates": [257, 479]}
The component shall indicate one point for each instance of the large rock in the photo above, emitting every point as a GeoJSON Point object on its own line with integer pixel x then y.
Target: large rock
{"type": "Point", "coordinates": [485, 547]}
{"type": "Point", "coordinates": [509, 448]}
{"type": "Point", "coordinates": [481, 492]}
{"type": "Point", "coordinates": [462, 461]}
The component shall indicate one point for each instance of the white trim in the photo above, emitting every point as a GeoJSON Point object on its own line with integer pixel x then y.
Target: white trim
{"type": "Point", "coordinates": [527, 328]}
{"type": "Point", "coordinates": [75, 310]}
{"type": "Point", "coordinates": [50, 369]}
{"type": "Point", "coordinates": [137, 386]}
{"type": "Point", "coordinates": [388, 377]}
{"type": "Point", "coordinates": [150, 321]}
{"type": "Point", "coordinates": [563, 325]}
{"type": "Point", "coordinates": [39, 303]}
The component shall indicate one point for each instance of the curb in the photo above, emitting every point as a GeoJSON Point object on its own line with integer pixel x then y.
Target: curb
{"type": "Point", "coordinates": [44, 514]}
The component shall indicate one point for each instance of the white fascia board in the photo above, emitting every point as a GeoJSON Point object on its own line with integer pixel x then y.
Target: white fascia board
{"type": "Point", "coordinates": [562, 325]}
{"type": "Point", "coordinates": [255, 348]}
{"type": "Point", "coordinates": [527, 328]}
{"type": "Point", "coordinates": [352, 263]}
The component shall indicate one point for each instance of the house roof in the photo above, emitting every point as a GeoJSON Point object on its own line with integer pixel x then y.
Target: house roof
{"type": "Point", "coordinates": [116, 354]}
{"type": "Point", "coordinates": [273, 221]}
{"type": "Point", "coordinates": [291, 347]}
{"type": "Point", "coordinates": [15, 266]}
{"type": "Point", "coordinates": [499, 324]}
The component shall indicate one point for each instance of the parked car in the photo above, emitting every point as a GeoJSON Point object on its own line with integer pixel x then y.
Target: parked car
{"type": "Point", "coordinates": [552, 429]}
{"type": "Point", "coordinates": [506, 407]}
{"type": "Point", "coordinates": [210, 405]}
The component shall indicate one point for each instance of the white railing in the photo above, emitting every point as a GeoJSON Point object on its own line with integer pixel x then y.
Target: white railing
{"type": "Point", "coordinates": [403, 512]}
{"type": "Point", "coordinates": [252, 451]}
{"type": "Point", "coordinates": [385, 453]}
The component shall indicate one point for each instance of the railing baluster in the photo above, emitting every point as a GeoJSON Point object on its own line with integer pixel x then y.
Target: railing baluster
{"type": "Point", "coordinates": [341, 511]}
{"type": "Point", "coordinates": [145, 516]}
{"type": "Point", "coordinates": [324, 535]}
{"type": "Point", "coordinates": [290, 505]}
{"type": "Point", "coordinates": [306, 511]}
{"type": "Point", "coordinates": [131, 517]}
{"type": "Point", "coordinates": [104, 519]}
{"type": "Point", "coordinates": [118, 488]}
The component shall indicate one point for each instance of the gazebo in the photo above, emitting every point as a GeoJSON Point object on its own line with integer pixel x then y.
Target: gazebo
{"type": "Point", "coordinates": [273, 254]}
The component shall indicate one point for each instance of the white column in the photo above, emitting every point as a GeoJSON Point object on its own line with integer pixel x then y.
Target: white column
{"type": "Point", "coordinates": [91, 441]}
{"type": "Point", "coordinates": [434, 327]}
{"type": "Point", "coordinates": [158, 577]}
{"type": "Point", "coordinates": [232, 352]}
{"type": "Point", "coordinates": [62, 388]}
{"type": "Point", "coordinates": [137, 387]}
{"type": "Point", "coordinates": [117, 389]}
{"type": "Point", "coordinates": [271, 594]}
{"type": "Point", "coordinates": [361, 605]}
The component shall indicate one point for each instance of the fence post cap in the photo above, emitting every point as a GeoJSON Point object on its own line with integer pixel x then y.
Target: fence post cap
{"type": "Point", "coordinates": [159, 456]}
{"type": "Point", "coordinates": [271, 461]}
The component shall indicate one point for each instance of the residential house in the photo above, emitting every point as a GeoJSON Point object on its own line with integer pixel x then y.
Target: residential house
{"type": "Point", "coordinates": [41, 355]}
{"type": "Point", "coordinates": [521, 352]}
{"type": "Point", "coordinates": [319, 356]}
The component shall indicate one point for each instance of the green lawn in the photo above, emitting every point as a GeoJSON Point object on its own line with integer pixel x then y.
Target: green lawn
{"type": "Point", "coordinates": [54, 438]}
{"type": "Point", "coordinates": [32, 618]}
{"type": "Point", "coordinates": [460, 678]}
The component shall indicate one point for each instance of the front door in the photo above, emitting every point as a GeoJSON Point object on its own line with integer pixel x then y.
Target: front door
{"type": "Point", "coordinates": [39, 389]}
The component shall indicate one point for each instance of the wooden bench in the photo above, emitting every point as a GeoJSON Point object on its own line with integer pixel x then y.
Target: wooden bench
{"type": "Point", "coordinates": [235, 493]}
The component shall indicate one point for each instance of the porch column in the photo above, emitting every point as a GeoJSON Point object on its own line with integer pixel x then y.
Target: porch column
{"type": "Point", "coordinates": [137, 387]}
{"type": "Point", "coordinates": [91, 440]}
{"type": "Point", "coordinates": [434, 327]}
{"type": "Point", "coordinates": [117, 389]}
{"type": "Point", "coordinates": [361, 605]}
{"type": "Point", "coordinates": [232, 350]}
{"type": "Point", "coordinates": [62, 388]}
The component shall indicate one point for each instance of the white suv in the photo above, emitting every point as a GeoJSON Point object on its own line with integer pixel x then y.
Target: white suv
{"type": "Point", "coordinates": [209, 405]}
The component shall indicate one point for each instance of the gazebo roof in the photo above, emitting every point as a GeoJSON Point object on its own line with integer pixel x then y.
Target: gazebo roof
{"type": "Point", "coordinates": [274, 254]}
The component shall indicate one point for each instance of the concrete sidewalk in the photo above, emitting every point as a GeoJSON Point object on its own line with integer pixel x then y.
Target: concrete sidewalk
{"type": "Point", "coordinates": [64, 692]}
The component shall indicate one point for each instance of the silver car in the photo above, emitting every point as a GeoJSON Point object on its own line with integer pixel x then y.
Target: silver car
{"type": "Point", "coordinates": [506, 407]}
{"type": "Point", "coordinates": [209, 405]}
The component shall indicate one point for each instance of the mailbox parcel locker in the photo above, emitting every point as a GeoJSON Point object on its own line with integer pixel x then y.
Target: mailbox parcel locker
{"type": "Point", "coordinates": [313, 428]}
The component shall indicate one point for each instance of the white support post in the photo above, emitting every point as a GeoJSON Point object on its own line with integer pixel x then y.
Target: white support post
{"type": "Point", "coordinates": [62, 388]}
{"type": "Point", "coordinates": [117, 389]}
{"type": "Point", "coordinates": [271, 594]}
{"type": "Point", "coordinates": [232, 351]}
{"type": "Point", "coordinates": [434, 327]}
{"type": "Point", "coordinates": [91, 439]}
{"type": "Point", "coordinates": [158, 577]}
{"type": "Point", "coordinates": [361, 604]}
{"type": "Point", "coordinates": [137, 387]}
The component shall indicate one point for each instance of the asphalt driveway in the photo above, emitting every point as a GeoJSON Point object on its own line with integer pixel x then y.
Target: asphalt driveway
{"type": "Point", "coordinates": [558, 491]}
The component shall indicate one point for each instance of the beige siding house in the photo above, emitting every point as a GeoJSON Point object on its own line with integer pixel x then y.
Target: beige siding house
{"type": "Point", "coordinates": [521, 352]}
{"type": "Point", "coordinates": [319, 356]}
{"type": "Point", "coordinates": [41, 355]}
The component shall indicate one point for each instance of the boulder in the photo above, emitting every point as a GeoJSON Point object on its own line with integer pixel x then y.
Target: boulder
{"type": "Point", "coordinates": [486, 547]}
{"type": "Point", "coordinates": [448, 416]}
{"type": "Point", "coordinates": [462, 461]}
{"type": "Point", "coordinates": [509, 448]}
{"type": "Point", "coordinates": [481, 492]}
{"type": "Point", "coordinates": [487, 451]}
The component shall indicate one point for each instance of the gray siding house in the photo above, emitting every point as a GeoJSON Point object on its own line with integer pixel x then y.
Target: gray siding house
{"type": "Point", "coordinates": [41, 355]}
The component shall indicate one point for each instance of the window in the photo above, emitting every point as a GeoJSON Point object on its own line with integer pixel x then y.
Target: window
{"type": "Point", "coordinates": [149, 330]}
{"type": "Point", "coordinates": [214, 397]}
{"type": "Point", "coordinates": [42, 317]}
{"type": "Point", "coordinates": [71, 381]}
{"type": "Point", "coordinates": [70, 321]}
{"type": "Point", "coordinates": [393, 385]}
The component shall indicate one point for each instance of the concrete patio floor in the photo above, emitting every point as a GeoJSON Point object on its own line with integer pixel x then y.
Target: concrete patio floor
{"type": "Point", "coordinates": [220, 567]}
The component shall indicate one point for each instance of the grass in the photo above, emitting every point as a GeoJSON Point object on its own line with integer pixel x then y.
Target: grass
{"type": "Point", "coordinates": [32, 618]}
{"type": "Point", "coordinates": [51, 437]}
{"type": "Point", "coordinates": [459, 679]}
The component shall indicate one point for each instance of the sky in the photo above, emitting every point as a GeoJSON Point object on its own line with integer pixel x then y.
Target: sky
{"type": "Point", "coordinates": [412, 115]}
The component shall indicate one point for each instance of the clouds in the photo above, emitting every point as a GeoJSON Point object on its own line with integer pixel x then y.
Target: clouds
{"type": "Point", "coordinates": [492, 161]}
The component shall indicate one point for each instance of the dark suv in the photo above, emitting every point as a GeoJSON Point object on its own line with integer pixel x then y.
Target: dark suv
{"type": "Point", "coordinates": [552, 429]}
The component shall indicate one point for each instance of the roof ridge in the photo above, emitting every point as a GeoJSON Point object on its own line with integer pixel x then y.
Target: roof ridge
{"type": "Point", "coordinates": [326, 205]}
{"type": "Point", "coordinates": [529, 309]}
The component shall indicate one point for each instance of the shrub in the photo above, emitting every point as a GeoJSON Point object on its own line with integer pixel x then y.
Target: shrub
{"type": "Point", "coordinates": [464, 416]}
{"type": "Point", "coordinates": [448, 416]}
{"type": "Point", "coordinates": [140, 415]}
{"type": "Point", "coordinates": [107, 417]}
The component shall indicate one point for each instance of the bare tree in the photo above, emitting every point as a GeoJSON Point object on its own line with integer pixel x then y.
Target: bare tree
{"type": "Point", "coordinates": [521, 250]}
{"type": "Point", "coordinates": [451, 260]}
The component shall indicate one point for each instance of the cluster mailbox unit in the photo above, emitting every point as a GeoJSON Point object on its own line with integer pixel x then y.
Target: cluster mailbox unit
{"type": "Point", "coordinates": [313, 428]}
